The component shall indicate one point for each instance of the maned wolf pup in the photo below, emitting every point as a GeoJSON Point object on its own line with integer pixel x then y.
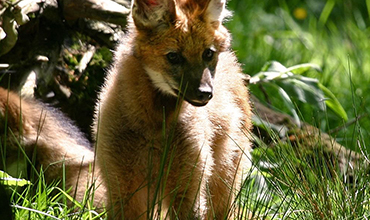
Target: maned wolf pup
{"type": "Point", "coordinates": [173, 117]}
{"type": "Point", "coordinates": [171, 125]}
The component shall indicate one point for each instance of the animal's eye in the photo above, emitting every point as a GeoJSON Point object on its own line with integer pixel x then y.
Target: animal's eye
{"type": "Point", "coordinates": [174, 58]}
{"type": "Point", "coordinates": [208, 54]}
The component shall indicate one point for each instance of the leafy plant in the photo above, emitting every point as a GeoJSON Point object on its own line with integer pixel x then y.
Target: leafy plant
{"type": "Point", "coordinates": [332, 34]}
{"type": "Point", "coordinates": [292, 86]}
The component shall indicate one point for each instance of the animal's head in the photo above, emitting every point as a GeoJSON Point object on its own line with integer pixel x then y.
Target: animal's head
{"type": "Point", "coordinates": [179, 42]}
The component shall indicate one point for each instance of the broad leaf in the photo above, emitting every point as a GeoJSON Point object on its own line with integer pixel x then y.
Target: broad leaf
{"type": "Point", "coordinates": [304, 92]}
{"type": "Point", "coordinates": [288, 102]}
{"type": "Point", "coordinates": [274, 66]}
{"type": "Point", "coordinates": [333, 103]}
{"type": "Point", "coordinates": [302, 68]}
{"type": "Point", "coordinates": [294, 86]}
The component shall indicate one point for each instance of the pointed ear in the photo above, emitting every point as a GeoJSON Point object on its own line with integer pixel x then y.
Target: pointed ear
{"type": "Point", "coordinates": [216, 11]}
{"type": "Point", "coordinates": [151, 14]}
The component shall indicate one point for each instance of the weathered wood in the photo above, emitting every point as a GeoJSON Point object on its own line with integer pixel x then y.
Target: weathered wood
{"type": "Point", "coordinates": [101, 10]}
{"type": "Point", "coordinates": [307, 138]}
{"type": "Point", "coordinates": [43, 35]}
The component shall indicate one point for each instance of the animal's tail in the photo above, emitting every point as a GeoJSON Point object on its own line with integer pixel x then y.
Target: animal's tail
{"type": "Point", "coordinates": [50, 142]}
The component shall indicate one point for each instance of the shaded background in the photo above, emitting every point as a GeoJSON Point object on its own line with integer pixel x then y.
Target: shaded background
{"type": "Point", "coordinates": [333, 34]}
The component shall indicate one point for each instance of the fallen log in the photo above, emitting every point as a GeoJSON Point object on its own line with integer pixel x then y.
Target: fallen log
{"type": "Point", "coordinates": [305, 138]}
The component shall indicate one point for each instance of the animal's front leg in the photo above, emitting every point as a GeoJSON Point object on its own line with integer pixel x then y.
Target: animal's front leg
{"type": "Point", "coordinates": [186, 185]}
{"type": "Point", "coordinates": [226, 180]}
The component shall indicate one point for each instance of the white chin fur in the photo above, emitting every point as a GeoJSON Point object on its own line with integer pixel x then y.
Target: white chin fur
{"type": "Point", "coordinates": [160, 82]}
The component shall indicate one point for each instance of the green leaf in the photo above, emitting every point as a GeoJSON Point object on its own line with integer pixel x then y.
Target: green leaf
{"type": "Point", "coordinates": [304, 92]}
{"type": "Point", "coordinates": [274, 70]}
{"type": "Point", "coordinates": [293, 86]}
{"type": "Point", "coordinates": [326, 12]}
{"type": "Point", "coordinates": [274, 66]}
{"type": "Point", "coordinates": [333, 103]}
{"type": "Point", "coordinates": [288, 102]}
{"type": "Point", "coordinates": [270, 71]}
{"type": "Point", "coordinates": [8, 180]}
{"type": "Point", "coordinates": [302, 68]}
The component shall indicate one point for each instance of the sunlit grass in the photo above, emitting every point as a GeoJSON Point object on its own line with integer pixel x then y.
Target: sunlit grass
{"type": "Point", "coordinates": [333, 35]}
{"type": "Point", "coordinates": [38, 199]}
{"type": "Point", "coordinates": [284, 182]}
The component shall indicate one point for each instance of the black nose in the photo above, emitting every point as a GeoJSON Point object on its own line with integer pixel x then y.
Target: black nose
{"type": "Point", "coordinates": [204, 95]}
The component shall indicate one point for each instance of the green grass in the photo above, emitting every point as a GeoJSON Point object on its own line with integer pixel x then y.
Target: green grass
{"type": "Point", "coordinates": [314, 191]}
{"type": "Point", "coordinates": [334, 35]}
{"type": "Point", "coordinates": [284, 183]}
{"type": "Point", "coordinates": [39, 200]}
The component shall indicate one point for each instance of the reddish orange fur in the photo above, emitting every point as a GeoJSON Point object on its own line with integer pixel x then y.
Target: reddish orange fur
{"type": "Point", "coordinates": [138, 114]}
{"type": "Point", "coordinates": [142, 116]}
{"type": "Point", "coordinates": [57, 144]}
